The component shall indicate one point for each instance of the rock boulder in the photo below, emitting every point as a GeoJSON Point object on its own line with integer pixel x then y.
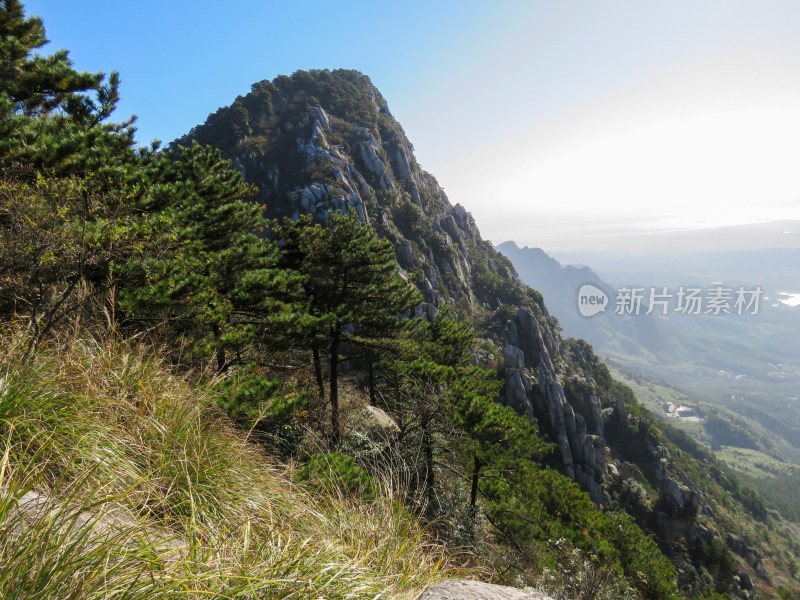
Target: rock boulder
{"type": "Point", "coordinates": [462, 589]}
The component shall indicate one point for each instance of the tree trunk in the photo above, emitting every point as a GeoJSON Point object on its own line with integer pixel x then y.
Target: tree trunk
{"type": "Point", "coordinates": [427, 453]}
{"type": "Point", "coordinates": [318, 373]}
{"type": "Point", "coordinates": [222, 365]}
{"type": "Point", "coordinates": [371, 374]}
{"type": "Point", "coordinates": [334, 394]}
{"type": "Point", "coordinates": [397, 391]}
{"type": "Point", "coordinates": [476, 473]}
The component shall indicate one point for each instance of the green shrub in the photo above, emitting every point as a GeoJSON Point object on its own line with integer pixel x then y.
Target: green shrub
{"type": "Point", "coordinates": [337, 474]}
{"type": "Point", "coordinates": [257, 404]}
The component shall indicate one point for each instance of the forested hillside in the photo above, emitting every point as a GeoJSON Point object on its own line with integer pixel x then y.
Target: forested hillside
{"type": "Point", "coordinates": [321, 310]}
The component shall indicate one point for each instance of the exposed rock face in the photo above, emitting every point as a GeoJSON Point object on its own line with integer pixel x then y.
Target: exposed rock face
{"type": "Point", "coordinates": [626, 470]}
{"type": "Point", "coordinates": [95, 527]}
{"type": "Point", "coordinates": [747, 552]}
{"type": "Point", "coordinates": [405, 255]}
{"type": "Point", "coordinates": [346, 192]}
{"type": "Point", "coordinates": [367, 150]}
{"type": "Point", "coordinates": [373, 418]}
{"type": "Point", "coordinates": [675, 499]}
{"type": "Point", "coordinates": [533, 386]}
{"type": "Point", "coordinates": [463, 589]}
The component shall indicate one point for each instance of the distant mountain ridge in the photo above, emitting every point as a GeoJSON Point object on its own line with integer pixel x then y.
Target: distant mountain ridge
{"type": "Point", "coordinates": [613, 334]}
{"type": "Point", "coordinates": [752, 237]}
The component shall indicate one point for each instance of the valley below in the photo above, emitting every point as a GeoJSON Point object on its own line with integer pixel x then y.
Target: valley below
{"type": "Point", "coordinates": [730, 381]}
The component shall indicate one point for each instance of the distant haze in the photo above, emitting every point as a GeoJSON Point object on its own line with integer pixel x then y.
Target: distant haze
{"type": "Point", "coordinates": [628, 240]}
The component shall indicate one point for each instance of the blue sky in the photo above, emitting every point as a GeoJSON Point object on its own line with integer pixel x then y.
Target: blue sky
{"type": "Point", "coordinates": [180, 60]}
{"type": "Point", "coordinates": [552, 122]}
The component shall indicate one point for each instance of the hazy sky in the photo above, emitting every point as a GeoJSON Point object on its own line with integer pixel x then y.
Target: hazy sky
{"type": "Point", "coordinates": [550, 121]}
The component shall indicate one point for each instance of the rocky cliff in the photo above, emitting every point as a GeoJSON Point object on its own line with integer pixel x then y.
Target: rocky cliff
{"type": "Point", "coordinates": [321, 141]}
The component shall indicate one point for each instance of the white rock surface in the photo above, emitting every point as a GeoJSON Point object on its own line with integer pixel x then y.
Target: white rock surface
{"type": "Point", "coordinates": [463, 589]}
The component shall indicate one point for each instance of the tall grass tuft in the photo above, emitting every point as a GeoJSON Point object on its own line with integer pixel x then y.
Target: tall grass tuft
{"type": "Point", "coordinates": [121, 480]}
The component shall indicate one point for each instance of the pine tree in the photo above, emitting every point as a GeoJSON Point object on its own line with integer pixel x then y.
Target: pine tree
{"type": "Point", "coordinates": [63, 168]}
{"type": "Point", "coordinates": [52, 116]}
{"type": "Point", "coordinates": [87, 217]}
{"type": "Point", "coordinates": [198, 270]}
{"type": "Point", "coordinates": [431, 357]}
{"type": "Point", "coordinates": [437, 391]}
{"type": "Point", "coordinates": [352, 290]}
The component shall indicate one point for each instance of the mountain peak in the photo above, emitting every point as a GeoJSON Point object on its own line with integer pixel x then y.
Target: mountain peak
{"type": "Point", "coordinates": [321, 141]}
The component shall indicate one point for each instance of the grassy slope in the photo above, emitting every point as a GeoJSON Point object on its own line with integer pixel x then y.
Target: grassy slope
{"type": "Point", "coordinates": [775, 480]}
{"type": "Point", "coordinates": [775, 538]}
{"type": "Point", "coordinates": [105, 428]}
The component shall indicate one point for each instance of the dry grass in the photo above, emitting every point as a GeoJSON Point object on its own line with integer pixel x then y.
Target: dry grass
{"type": "Point", "coordinates": [107, 430]}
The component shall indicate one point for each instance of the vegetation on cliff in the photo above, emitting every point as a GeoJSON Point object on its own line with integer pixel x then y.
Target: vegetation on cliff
{"type": "Point", "coordinates": [110, 251]}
